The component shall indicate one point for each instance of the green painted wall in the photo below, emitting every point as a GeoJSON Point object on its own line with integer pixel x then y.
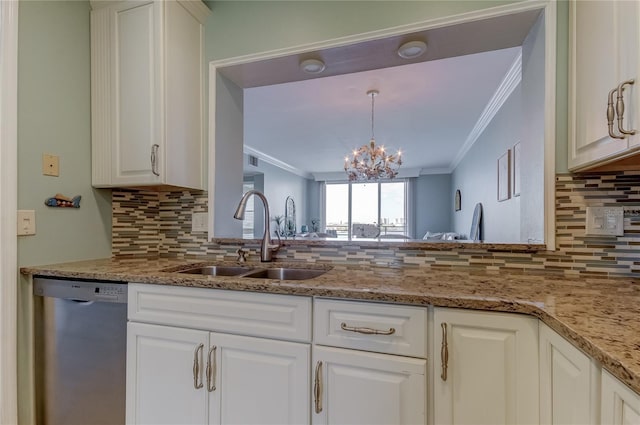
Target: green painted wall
{"type": "Point", "coordinates": [54, 116]}
{"type": "Point", "coordinates": [54, 94]}
{"type": "Point", "coordinates": [242, 27]}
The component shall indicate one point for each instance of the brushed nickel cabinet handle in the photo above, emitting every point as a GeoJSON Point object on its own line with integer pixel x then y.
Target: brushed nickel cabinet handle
{"type": "Point", "coordinates": [197, 378]}
{"type": "Point", "coordinates": [367, 331]}
{"type": "Point", "coordinates": [444, 352]}
{"type": "Point", "coordinates": [212, 369]}
{"type": "Point", "coordinates": [317, 388]}
{"type": "Point", "coordinates": [154, 159]}
{"type": "Point", "coordinates": [611, 115]}
{"type": "Point", "coordinates": [620, 108]}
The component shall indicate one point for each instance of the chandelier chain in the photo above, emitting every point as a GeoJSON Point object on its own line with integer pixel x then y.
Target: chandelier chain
{"type": "Point", "coordinates": [373, 99]}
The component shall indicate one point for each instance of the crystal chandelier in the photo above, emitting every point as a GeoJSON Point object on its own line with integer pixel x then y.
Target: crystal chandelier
{"type": "Point", "coordinates": [370, 161]}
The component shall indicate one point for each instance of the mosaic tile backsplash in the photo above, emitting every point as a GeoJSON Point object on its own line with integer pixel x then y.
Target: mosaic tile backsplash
{"type": "Point", "coordinates": [159, 224]}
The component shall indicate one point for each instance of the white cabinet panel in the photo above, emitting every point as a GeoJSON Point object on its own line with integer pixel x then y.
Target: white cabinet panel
{"type": "Point", "coordinates": [569, 382]}
{"type": "Point", "coordinates": [147, 98]}
{"type": "Point", "coordinates": [603, 46]}
{"type": "Point", "coordinates": [356, 387]}
{"type": "Point", "coordinates": [249, 313]}
{"type": "Point", "coordinates": [260, 381]}
{"type": "Point", "coordinates": [620, 405]}
{"type": "Point", "coordinates": [177, 375]}
{"type": "Point", "coordinates": [161, 379]}
{"type": "Point", "coordinates": [487, 370]}
{"type": "Point", "coordinates": [401, 328]}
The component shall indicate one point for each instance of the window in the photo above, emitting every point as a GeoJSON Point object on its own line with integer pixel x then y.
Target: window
{"type": "Point", "coordinates": [366, 210]}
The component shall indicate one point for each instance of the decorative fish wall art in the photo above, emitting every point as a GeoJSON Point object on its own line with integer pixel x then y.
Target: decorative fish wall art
{"type": "Point", "coordinates": [62, 201]}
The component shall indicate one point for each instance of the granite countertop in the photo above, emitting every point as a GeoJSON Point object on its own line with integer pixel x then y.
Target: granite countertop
{"type": "Point", "coordinates": [600, 316]}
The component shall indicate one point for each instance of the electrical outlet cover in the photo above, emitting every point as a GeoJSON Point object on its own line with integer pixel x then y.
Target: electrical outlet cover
{"type": "Point", "coordinates": [199, 222]}
{"type": "Point", "coordinates": [607, 221]}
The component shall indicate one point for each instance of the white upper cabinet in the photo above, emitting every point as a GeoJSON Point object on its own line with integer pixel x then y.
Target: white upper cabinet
{"type": "Point", "coordinates": [147, 93]}
{"type": "Point", "coordinates": [604, 40]}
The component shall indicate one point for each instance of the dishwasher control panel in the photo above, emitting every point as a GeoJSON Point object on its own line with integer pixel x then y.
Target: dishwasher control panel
{"type": "Point", "coordinates": [80, 290]}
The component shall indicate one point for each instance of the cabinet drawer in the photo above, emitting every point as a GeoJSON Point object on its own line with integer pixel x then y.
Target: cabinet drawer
{"type": "Point", "coordinates": [347, 323]}
{"type": "Point", "coordinates": [285, 317]}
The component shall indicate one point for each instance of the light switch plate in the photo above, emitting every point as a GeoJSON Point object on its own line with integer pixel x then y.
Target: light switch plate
{"type": "Point", "coordinates": [26, 222]}
{"type": "Point", "coordinates": [605, 221]}
{"type": "Point", "coordinates": [50, 165]}
{"type": "Point", "coordinates": [199, 222]}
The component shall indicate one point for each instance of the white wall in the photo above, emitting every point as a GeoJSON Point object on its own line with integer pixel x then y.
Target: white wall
{"type": "Point", "coordinates": [433, 204]}
{"type": "Point", "coordinates": [228, 157]}
{"type": "Point", "coordinates": [532, 202]}
{"type": "Point", "coordinates": [476, 177]}
{"type": "Point", "coordinates": [278, 185]}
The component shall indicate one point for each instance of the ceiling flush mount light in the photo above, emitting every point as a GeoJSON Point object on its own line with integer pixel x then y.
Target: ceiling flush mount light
{"type": "Point", "coordinates": [412, 49]}
{"type": "Point", "coordinates": [312, 66]}
{"type": "Point", "coordinates": [371, 162]}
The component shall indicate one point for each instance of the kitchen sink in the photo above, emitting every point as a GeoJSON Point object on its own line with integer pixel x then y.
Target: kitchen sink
{"type": "Point", "coordinates": [284, 274]}
{"type": "Point", "coordinates": [217, 270]}
{"type": "Point", "coordinates": [280, 273]}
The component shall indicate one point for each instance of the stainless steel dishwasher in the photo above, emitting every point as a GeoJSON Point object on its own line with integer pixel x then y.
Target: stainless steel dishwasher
{"type": "Point", "coordinates": [80, 351]}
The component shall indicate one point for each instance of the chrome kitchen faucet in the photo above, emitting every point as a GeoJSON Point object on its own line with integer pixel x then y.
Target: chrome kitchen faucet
{"type": "Point", "coordinates": [267, 249]}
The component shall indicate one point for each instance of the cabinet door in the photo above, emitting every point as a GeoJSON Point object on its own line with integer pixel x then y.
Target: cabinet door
{"type": "Point", "coordinates": [137, 80]}
{"type": "Point", "coordinates": [165, 365]}
{"type": "Point", "coordinates": [356, 387]}
{"type": "Point", "coordinates": [258, 381]}
{"type": "Point", "coordinates": [592, 75]}
{"type": "Point", "coordinates": [628, 13]}
{"type": "Point", "coordinates": [491, 364]}
{"type": "Point", "coordinates": [603, 48]}
{"type": "Point", "coordinates": [620, 405]}
{"type": "Point", "coordinates": [568, 382]}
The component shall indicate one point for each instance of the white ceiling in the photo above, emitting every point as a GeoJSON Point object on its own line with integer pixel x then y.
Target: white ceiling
{"type": "Point", "coordinates": [428, 106]}
{"type": "Point", "coordinates": [427, 109]}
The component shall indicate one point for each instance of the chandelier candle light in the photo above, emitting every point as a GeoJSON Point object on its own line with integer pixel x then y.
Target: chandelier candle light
{"type": "Point", "coordinates": [371, 162]}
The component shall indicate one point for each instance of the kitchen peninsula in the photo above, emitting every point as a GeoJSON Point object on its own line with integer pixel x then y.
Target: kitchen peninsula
{"type": "Point", "coordinates": [597, 315]}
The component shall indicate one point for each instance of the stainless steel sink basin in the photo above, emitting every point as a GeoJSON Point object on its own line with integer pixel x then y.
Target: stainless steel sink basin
{"type": "Point", "coordinates": [217, 270]}
{"type": "Point", "coordinates": [285, 274]}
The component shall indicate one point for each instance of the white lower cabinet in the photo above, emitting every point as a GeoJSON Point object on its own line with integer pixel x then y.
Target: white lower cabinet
{"type": "Point", "coordinates": [620, 405]}
{"type": "Point", "coordinates": [217, 357]}
{"type": "Point", "coordinates": [357, 387]}
{"type": "Point", "coordinates": [485, 367]}
{"type": "Point", "coordinates": [369, 363]}
{"type": "Point", "coordinates": [569, 382]}
{"type": "Point", "coordinates": [187, 376]}
{"type": "Point", "coordinates": [161, 377]}
{"type": "Point", "coordinates": [182, 368]}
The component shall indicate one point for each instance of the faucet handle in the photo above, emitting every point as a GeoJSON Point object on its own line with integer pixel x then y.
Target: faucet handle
{"type": "Point", "coordinates": [275, 247]}
{"type": "Point", "coordinates": [242, 255]}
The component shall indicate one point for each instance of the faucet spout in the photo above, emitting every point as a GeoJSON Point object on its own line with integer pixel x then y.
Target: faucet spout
{"type": "Point", "coordinates": [267, 249]}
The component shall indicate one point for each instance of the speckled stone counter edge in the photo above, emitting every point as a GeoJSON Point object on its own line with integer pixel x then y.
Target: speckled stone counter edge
{"type": "Point", "coordinates": [469, 290]}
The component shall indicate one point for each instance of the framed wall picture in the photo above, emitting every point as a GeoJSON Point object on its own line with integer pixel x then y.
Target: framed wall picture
{"type": "Point", "coordinates": [458, 201]}
{"type": "Point", "coordinates": [504, 170]}
{"type": "Point", "coordinates": [516, 170]}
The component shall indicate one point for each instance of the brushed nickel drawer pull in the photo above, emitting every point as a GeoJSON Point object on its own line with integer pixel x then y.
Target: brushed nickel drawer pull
{"type": "Point", "coordinates": [611, 115]}
{"type": "Point", "coordinates": [317, 388]}
{"type": "Point", "coordinates": [620, 108]}
{"type": "Point", "coordinates": [196, 367]}
{"type": "Point", "coordinates": [444, 352]}
{"type": "Point", "coordinates": [367, 331]}
{"type": "Point", "coordinates": [154, 159]}
{"type": "Point", "coordinates": [212, 369]}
